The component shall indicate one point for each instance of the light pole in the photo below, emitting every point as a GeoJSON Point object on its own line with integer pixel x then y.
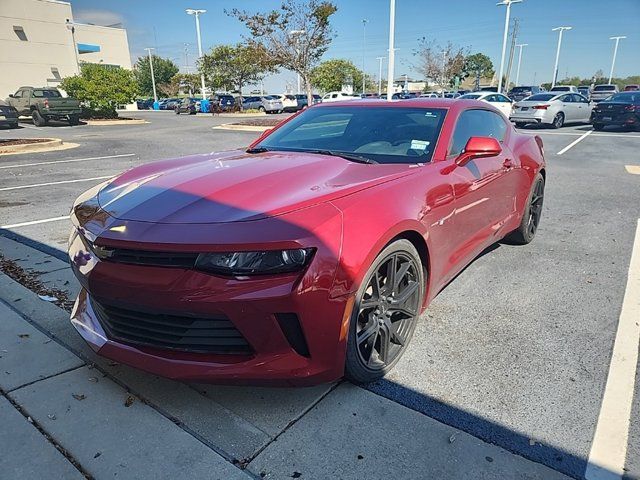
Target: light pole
{"type": "Point", "coordinates": [295, 34]}
{"type": "Point", "coordinates": [615, 54]}
{"type": "Point", "coordinates": [555, 67]}
{"type": "Point", "coordinates": [364, 49]}
{"type": "Point", "coordinates": [520, 45]}
{"type": "Point", "coordinates": [72, 28]}
{"type": "Point", "coordinates": [504, 37]}
{"type": "Point", "coordinates": [380, 59]}
{"type": "Point", "coordinates": [392, 51]}
{"type": "Point", "coordinates": [153, 78]}
{"type": "Point", "coordinates": [197, 13]}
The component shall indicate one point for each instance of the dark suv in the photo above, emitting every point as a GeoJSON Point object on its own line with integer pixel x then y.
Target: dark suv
{"type": "Point", "coordinates": [222, 102]}
{"type": "Point", "coordinates": [520, 93]}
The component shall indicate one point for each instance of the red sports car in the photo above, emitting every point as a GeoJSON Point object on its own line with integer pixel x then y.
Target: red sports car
{"type": "Point", "coordinates": [308, 256]}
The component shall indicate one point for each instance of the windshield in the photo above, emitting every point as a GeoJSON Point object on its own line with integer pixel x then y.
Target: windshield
{"type": "Point", "coordinates": [381, 134]}
{"type": "Point", "coordinates": [540, 97]}
{"type": "Point", "coordinates": [46, 94]}
{"type": "Point", "coordinates": [471, 96]}
{"type": "Point", "coordinates": [625, 97]}
{"type": "Point", "coordinates": [604, 88]}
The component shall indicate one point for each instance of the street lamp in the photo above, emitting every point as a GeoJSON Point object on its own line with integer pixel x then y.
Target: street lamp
{"type": "Point", "coordinates": [615, 53]}
{"type": "Point", "coordinates": [380, 59]}
{"type": "Point", "coordinates": [520, 45]}
{"type": "Point", "coordinates": [392, 51]}
{"type": "Point", "coordinates": [555, 68]}
{"type": "Point", "coordinates": [504, 37]}
{"type": "Point", "coordinates": [295, 34]}
{"type": "Point", "coordinates": [364, 49]}
{"type": "Point", "coordinates": [197, 13]}
{"type": "Point", "coordinates": [153, 78]}
{"type": "Point", "coordinates": [72, 28]}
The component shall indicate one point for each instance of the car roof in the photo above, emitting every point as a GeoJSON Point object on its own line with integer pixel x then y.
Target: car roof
{"type": "Point", "coordinates": [415, 102]}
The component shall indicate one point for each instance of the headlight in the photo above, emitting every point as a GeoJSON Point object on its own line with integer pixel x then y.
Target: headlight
{"type": "Point", "coordinates": [255, 263]}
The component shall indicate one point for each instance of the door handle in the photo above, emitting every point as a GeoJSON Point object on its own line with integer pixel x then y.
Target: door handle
{"type": "Point", "coordinates": [507, 164]}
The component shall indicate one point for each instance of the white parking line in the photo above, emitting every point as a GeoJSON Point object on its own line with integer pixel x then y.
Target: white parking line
{"type": "Point", "coordinates": [67, 161]}
{"type": "Point", "coordinates": [609, 446]}
{"type": "Point", "coordinates": [575, 142]}
{"type": "Point", "coordinates": [20, 187]}
{"type": "Point", "coordinates": [35, 222]}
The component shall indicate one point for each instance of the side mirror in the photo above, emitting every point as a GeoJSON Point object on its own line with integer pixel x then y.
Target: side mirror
{"type": "Point", "coordinates": [479, 147]}
{"type": "Point", "coordinates": [11, 95]}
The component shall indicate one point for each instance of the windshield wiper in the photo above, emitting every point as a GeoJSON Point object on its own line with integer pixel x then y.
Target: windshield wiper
{"type": "Point", "coordinates": [257, 150]}
{"type": "Point", "coordinates": [346, 156]}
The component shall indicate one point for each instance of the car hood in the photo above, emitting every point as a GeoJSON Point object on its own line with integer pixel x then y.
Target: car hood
{"type": "Point", "coordinates": [236, 186]}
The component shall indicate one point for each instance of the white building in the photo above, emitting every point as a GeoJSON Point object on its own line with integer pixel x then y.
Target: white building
{"type": "Point", "coordinates": [38, 48]}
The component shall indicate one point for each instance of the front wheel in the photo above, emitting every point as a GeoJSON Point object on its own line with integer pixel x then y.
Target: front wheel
{"type": "Point", "coordinates": [598, 126]}
{"type": "Point", "coordinates": [385, 312]}
{"type": "Point", "coordinates": [532, 213]}
{"type": "Point", "coordinates": [261, 109]}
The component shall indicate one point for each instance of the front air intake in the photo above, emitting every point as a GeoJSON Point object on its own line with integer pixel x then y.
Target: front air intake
{"type": "Point", "coordinates": [290, 326]}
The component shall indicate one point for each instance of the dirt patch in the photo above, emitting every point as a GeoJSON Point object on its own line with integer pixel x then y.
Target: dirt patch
{"type": "Point", "coordinates": [22, 141]}
{"type": "Point", "coordinates": [30, 280]}
{"type": "Point", "coordinates": [259, 122]}
{"type": "Point", "coordinates": [12, 204]}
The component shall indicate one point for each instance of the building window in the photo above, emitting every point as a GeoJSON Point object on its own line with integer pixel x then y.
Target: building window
{"type": "Point", "coordinates": [19, 31]}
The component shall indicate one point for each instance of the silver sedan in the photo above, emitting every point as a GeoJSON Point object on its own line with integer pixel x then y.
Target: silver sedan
{"type": "Point", "coordinates": [551, 109]}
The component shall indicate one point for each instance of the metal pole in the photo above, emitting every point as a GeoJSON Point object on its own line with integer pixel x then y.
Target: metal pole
{"type": "Point", "coordinates": [364, 49]}
{"type": "Point", "coordinates": [153, 78]}
{"type": "Point", "coordinates": [380, 59]}
{"type": "Point", "coordinates": [504, 38]}
{"type": "Point", "coordinates": [202, 86]}
{"type": "Point", "coordinates": [555, 67]}
{"type": "Point", "coordinates": [519, 62]}
{"type": "Point", "coordinates": [615, 54]}
{"type": "Point", "coordinates": [392, 52]}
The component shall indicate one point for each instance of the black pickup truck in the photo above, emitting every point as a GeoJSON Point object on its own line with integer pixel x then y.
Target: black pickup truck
{"type": "Point", "coordinates": [44, 104]}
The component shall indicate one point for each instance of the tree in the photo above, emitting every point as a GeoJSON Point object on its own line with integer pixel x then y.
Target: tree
{"type": "Point", "coordinates": [333, 74]}
{"type": "Point", "coordinates": [236, 65]}
{"type": "Point", "coordinates": [477, 65]}
{"type": "Point", "coordinates": [163, 70]}
{"type": "Point", "coordinates": [180, 82]}
{"type": "Point", "coordinates": [295, 36]}
{"type": "Point", "coordinates": [440, 64]}
{"type": "Point", "coordinates": [102, 88]}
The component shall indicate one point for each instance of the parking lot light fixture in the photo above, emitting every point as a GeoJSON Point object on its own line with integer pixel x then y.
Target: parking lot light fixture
{"type": "Point", "coordinates": [615, 54]}
{"type": "Point", "coordinates": [392, 50]}
{"type": "Point", "coordinates": [520, 46]}
{"type": "Point", "coordinates": [197, 13]}
{"type": "Point", "coordinates": [504, 37]}
{"type": "Point", "coordinates": [380, 59]}
{"type": "Point", "coordinates": [153, 78]}
{"type": "Point", "coordinates": [364, 49]}
{"type": "Point", "coordinates": [555, 68]}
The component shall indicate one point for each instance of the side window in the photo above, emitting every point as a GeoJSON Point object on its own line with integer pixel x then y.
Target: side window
{"type": "Point", "coordinates": [502, 98]}
{"type": "Point", "coordinates": [476, 123]}
{"type": "Point", "coordinates": [18, 94]}
{"type": "Point", "coordinates": [579, 98]}
{"type": "Point", "coordinates": [567, 99]}
{"type": "Point", "coordinates": [492, 98]}
{"type": "Point", "coordinates": [335, 95]}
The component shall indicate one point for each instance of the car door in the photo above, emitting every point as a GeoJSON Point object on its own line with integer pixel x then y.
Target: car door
{"type": "Point", "coordinates": [570, 108]}
{"type": "Point", "coordinates": [20, 102]}
{"type": "Point", "coordinates": [483, 188]}
{"type": "Point", "coordinates": [584, 109]}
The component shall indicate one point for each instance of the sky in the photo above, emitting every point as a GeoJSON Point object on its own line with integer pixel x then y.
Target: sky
{"type": "Point", "coordinates": [475, 24]}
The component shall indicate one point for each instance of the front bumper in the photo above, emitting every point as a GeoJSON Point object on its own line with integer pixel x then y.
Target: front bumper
{"type": "Point", "coordinates": [254, 306]}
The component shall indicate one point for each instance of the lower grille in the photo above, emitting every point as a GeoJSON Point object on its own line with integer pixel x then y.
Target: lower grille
{"type": "Point", "coordinates": [215, 334]}
{"type": "Point", "coordinates": [145, 257]}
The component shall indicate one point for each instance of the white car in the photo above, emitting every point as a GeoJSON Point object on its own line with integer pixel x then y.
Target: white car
{"type": "Point", "coordinates": [289, 102]}
{"type": "Point", "coordinates": [501, 102]}
{"type": "Point", "coordinates": [337, 97]}
{"type": "Point", "coordinates": [551, 108]}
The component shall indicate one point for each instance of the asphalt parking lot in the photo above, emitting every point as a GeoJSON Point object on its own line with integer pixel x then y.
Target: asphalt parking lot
{"type": "Point", "coordinates": [515, 351]}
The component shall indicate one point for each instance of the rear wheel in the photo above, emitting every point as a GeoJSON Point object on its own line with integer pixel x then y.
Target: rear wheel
{"type": "Point", "coordinates": [532, 213]}
{"type": "Point", "coordinates": [38, 120]}
{"type": "Point", "coordinates": [385, 312]}
{"type": "Point", "coordinates": [74, 119]}
{"type": "Point", "coordinates": [558, 120]}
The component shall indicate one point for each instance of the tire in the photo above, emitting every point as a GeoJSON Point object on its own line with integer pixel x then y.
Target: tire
{"type": "Point", "coordinates": [558, 120]}
{"type": "Point", "coordinates": [528, 227]}
{"type": "Point", "coordinates": [38, 120]}
{"type": "Point", "coordinates": [521, 124]}
{"type": "Point", "coordinates": [13, 125]}
{"type": "Point", "coordinates": [376, 316]}
{"type": "Point", "coordinates": [74, 120]}
{"type": "Point", "coordinates": [177, 111]}
{"type": "Point", "coordinates": [261, 108]}
{"type": "Point", "coordinates": [598, 126]}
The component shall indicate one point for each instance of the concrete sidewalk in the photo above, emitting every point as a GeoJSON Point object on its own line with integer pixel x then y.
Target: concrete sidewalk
{"type": "Point", "coordinates": [69, 413]}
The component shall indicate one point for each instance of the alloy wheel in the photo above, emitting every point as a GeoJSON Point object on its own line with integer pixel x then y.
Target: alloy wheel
{"type": "Point", "coordinates": [558, 120]}
{"type": "Point", "coordinates": [535, 208]}
{"type": "Point", "coordinates": [388, 310]}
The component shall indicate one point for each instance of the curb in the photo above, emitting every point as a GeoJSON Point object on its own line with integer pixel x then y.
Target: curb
{"type": "Point", "coordinates": [50, 144]}
{"type": "Point", "coordinates": [241, 128]}
{"type": "Point", "coordinates": [135, 121]}
{"type": "Point", "coordinates": [239, 115]}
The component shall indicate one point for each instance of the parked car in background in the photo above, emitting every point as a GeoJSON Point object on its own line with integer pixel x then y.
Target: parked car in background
{"type": "Point", "coordinates": [189, 105]}
{"type": "Point", "coordinates": [488, 89]}
{"type": "Point", "coordinates": [302, 100]}
{"type": "Point", "coordinates": [289, 102]}
{"type": "Point", "coordinates": [585, 91]}
{"type": "Point", "coordinates": [429, 95]}
{"type": "Point", "coordinates": [267, 103]}
{"type": "Point", "coordinates": [632, 88]}
{"type": "Point", "coordinates": [8, 115]}
{"type": "Point", "coordinates": [44, 104]}
{"type": "Point", "coordinates": [144, 104]}
{"type": "Point", "coordinates": [501, 102]}
{"type": "Point", "coordinates": [564, 88]}
{"type": "Point", "coordinates": [170, 104]}
{"type": "Point", "coordinates": [222, 102]}
{"type": "Point", "coordinates": [523, 91]}
{"type": "Point", "coordinates": [337, 97]}
{"type": "Point", "coordinates": [552, 109]}
{"type": "Point", "coordinates": [621, 110]}
{"type": "Point", "coordinates": [451, 95]}
{"type": "Point", "coordinates": [602, 92]}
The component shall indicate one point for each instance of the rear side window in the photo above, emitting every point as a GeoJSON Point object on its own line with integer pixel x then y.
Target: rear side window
{"type": "Point", "coordinates": [476, 123]}
{"type": "Point", "coordinates": [46, 94]}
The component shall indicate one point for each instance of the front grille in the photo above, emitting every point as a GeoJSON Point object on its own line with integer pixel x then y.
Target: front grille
{"type": "Point", "coordinates": [145, 257]}
{"type": "Point", "coordinates": [211, 334]}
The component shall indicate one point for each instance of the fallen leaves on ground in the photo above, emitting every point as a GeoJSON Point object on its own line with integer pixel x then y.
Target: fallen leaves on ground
{"type": "Point", "coordinates": [79, 396]}
{"type": "Point", "coordinates": [129, 401]}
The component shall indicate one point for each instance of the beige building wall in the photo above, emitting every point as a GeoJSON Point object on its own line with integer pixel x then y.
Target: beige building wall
{"type": "Point", "coordinates": [36, 47]}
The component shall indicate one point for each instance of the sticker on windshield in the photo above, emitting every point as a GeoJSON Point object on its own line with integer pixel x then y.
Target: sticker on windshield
{"type": "Point", "coordinates": [419, 144]}
{"type": "Point", "coordinates": [429, 113]}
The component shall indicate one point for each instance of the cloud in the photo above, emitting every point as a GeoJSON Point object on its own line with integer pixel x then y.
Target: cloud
{"type": "Point", "coordinates": [98, 17]}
